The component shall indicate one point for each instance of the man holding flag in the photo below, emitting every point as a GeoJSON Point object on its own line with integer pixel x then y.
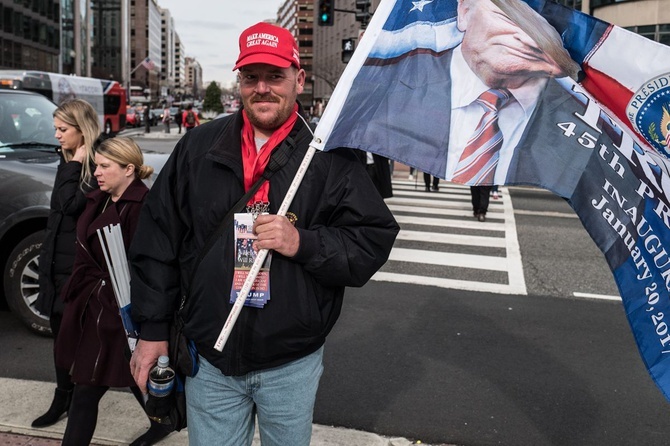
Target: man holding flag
{"type": "Point", "coordinates": [339, 234]}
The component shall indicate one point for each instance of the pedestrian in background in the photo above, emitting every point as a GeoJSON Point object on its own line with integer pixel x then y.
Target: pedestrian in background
{"type": "Point", "coordinates": [147, 119]}
{"type": "Point", "coordinates": [77, 129]}
{"type": "Point", "coordinates": [339, 234]}
{"type": "Point", "coordinates": [167, 118]}
{"type": "Point", "coordinates": [436, 182]}
{"type": "Point", "coordinates": [378, 169]}
{"type": "Point", "coordinates": [480, 201]}
{"type": "Point", "coordinates": [92, 342]}
{"type": "Point", "coordinates": [178, 118]}
{"type": "Point", "coordinates": [190, 118]}
{"type": "Point", "coordinates": [495, 192]}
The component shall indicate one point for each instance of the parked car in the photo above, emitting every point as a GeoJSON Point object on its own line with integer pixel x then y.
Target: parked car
{"type": "Point", "coordinates": [132, 118]}
{"type": "Point", "coordinates": [155, 116]}
{"type": "Point", "coordinates": [28, 163]}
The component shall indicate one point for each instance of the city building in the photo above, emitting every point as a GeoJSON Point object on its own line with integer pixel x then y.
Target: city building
{"type": "Point", "coordinates": [298, 17]}
{"type": "Point", "coordinates": [108, 45]}
{"type": "Point", "coordinates": [167, 80]}
{"type": "Point", "coordinates": [179, 68]}
{"type": "Point", "coordinates": [193, 88]}
{"type": "Point", "coordinates": [145, 42]}
{"type": "Point", "coordinates": [30, 34]}
{"type": "Point", "coordinates": [649, 18]}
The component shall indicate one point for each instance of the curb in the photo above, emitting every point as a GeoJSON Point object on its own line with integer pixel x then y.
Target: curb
{"type": "Point", "coordinates": [121, 420]}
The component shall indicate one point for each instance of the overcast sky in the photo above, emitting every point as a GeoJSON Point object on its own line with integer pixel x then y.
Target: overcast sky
{"type": "Point", "coordinates": [209, 30]}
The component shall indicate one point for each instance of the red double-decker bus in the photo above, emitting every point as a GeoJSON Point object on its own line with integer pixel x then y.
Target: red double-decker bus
{"type": "Point", "coordinates": [107, 97]}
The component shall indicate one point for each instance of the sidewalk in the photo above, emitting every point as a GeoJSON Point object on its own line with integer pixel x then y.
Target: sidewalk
{"type": "Point", "coordinates": [154, 134]}
{"type": "Point", "coordinates": [121, 420]}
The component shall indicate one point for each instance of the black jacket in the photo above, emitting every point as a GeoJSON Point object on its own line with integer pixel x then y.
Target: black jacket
{"type": "Point", "coordinates": [346, 234]}
{"type": "Point", "coordinates": [57, 252]}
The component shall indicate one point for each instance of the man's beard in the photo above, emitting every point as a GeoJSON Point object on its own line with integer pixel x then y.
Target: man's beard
{"type": "Point", "coordinates": [273, 123]}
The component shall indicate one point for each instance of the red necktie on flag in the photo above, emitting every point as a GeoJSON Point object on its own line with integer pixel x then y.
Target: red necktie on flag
{"type": "Point", "coordinates": [480, 156]}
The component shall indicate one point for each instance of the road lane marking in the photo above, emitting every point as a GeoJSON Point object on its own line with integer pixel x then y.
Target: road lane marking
{"type": "Point", "coordinates": [515, 271]}
{"type": "Point", "coordinates": [597, 296]}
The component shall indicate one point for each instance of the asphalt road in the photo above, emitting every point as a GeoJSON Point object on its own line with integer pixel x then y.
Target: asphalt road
{"type": "Point", "coordinates": [473, 369]}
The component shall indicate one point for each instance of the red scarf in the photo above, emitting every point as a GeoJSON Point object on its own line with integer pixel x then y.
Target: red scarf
{"type": "Point", "coordinates": [254, 161]}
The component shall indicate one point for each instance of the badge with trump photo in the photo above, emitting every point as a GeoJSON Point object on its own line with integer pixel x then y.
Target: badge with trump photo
{"type": "Point", "coordinates": [245, 256]}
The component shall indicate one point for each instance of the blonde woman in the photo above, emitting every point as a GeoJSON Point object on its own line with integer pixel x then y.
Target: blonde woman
{"type": "Point", "coordinates": [77, 129]}
{"type": "Point", "coordinates": [92, 341]}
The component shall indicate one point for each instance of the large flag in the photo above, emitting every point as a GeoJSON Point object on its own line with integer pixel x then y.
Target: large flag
{"type": "Point", "coordinates": [592, 127]}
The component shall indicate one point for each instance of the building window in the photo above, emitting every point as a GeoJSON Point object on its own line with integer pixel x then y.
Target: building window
{"type": "Point", "coordinates": [659, 33]}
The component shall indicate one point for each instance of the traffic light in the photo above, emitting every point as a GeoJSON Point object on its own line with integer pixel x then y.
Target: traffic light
{"type": "Point", "coordinates": [363, 14]}
{"type": "Point", "coordinates": [347, 50]}
{"type": "Point", "coordinates": [326, 12]}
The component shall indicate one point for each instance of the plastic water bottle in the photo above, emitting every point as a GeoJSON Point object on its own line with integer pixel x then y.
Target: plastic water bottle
{"type": "Point", "coordinates": [161, 378]}
{"type": "Point", "coordinates": [160, 384]}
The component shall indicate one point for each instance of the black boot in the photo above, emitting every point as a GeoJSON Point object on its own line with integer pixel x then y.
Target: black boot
{"type": "Point", "coordinates": [59, 406]}
{"type": "Point", "coordinates": [155, 434]}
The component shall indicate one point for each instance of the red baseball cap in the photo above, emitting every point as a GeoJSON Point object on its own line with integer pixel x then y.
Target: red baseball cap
{"type": "Point", "coordinates": [269, 44]}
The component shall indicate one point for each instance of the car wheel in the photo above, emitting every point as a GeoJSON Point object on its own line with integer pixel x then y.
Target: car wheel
{"type": "Point", "coordinates": [108, 128]}
{"type": "Point", "coordinates": [21, 283]}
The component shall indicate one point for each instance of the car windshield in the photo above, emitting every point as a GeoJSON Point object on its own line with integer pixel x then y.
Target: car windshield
{"type": "Point", "coordinates": [26, 120]}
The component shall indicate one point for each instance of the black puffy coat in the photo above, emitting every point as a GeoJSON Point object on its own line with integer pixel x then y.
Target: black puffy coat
{"type": "Point", "coordinates": [346, 235]}
{"type": "Point", "coordinates": [68, 201]}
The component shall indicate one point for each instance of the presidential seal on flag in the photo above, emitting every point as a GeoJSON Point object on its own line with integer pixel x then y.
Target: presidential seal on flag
{"type": "Point", "coordinates": [649, 112]}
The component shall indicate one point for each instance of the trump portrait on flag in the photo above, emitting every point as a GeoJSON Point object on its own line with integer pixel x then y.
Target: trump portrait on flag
{"type": "Point", "coordinates": [498, 61]}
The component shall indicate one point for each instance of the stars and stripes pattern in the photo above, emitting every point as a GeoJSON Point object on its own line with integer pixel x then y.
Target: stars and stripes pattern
{"type": "Point", "coordinates": [480, 157]}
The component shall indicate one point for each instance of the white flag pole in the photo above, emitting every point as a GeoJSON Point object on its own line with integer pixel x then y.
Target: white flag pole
{"type": "Point", "coordinates": [262, 254]}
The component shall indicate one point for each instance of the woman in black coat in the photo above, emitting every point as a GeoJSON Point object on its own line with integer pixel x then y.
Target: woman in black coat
{"type": "Point", "coordinates": [77, 129]}
{"type": "Point", "coordinates": [92, 341]}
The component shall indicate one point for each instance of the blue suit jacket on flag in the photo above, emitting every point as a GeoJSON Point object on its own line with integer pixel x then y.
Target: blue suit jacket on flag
{"type": "Point", "coordinates": [602, 143]}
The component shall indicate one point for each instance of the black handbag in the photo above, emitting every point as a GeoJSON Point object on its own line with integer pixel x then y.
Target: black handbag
{"type": "Point", "coordinates": [181, 350]}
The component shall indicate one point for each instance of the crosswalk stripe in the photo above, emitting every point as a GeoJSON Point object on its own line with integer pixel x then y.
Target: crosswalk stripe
{"type": "Point", "coordinates": [465, 212]}
{"type": "Point", "coordinates": [456, 284]}
{"type": "Point", "coordinates": [450, 208]}
{"type": "Point", "coordinates": [435, 203]}
{"type": "Point", "coordinates": [452, 239]}
{"type": "Point", "coordinates": [448, 259]}
{"type": "Point", "coordinates": [515, 271]}
{"type": "Point", "coordinates": [449, 223]}
{"type": "Point", "coordinates": [454, 194]}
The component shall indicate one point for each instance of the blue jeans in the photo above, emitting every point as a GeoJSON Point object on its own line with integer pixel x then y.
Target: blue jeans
{"type": "Point", "coordinates": [221, 409]}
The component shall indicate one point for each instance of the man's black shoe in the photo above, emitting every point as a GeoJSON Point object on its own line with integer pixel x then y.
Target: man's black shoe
{"type": "Point", "coordinates": [155, 434]}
